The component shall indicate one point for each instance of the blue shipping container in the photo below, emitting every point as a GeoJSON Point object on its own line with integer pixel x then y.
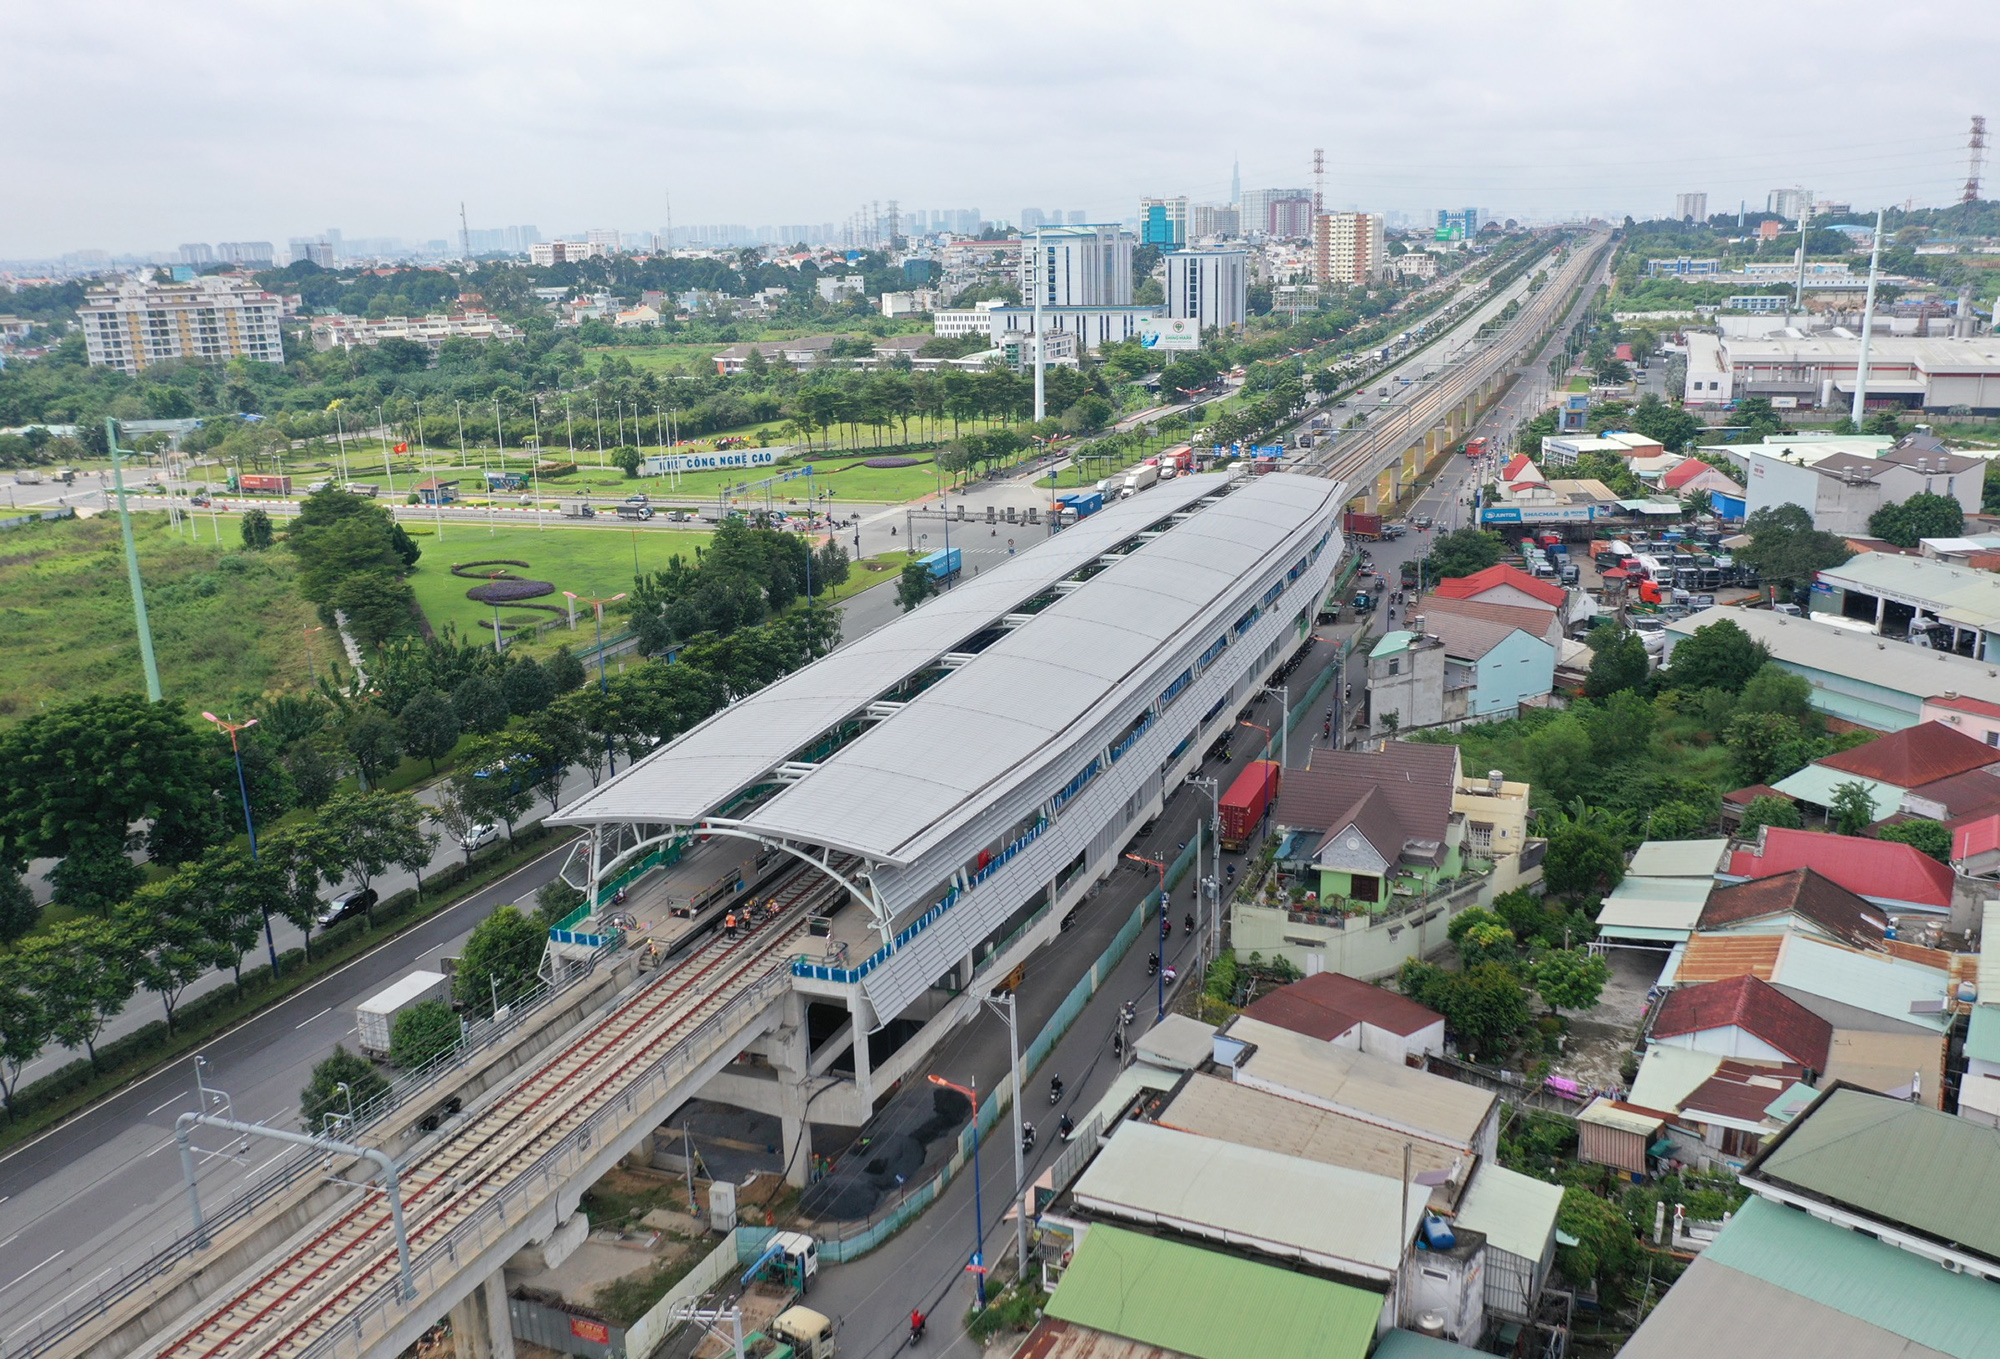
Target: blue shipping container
{"type": "Point", "coordinates": [942, 564]}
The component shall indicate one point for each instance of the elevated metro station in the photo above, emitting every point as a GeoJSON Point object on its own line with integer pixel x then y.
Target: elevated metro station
{"type": "Point", "coordinates": [942, 791]}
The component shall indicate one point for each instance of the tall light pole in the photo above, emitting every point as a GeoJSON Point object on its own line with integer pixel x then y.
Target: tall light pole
{"type": "Point", "coordinates": [249, 824]}
{"type": "Point", "coordinates": [1867, 328]}
{"type": "Point", "coordinates": [1214, 787]}
{"type": "Point", "coordinates": [144, 625]}
{"type": "Point", "coordinates": [603, 684]}
{"type": "Point", "coordinates": [1006, 1010]}
{"type": "Point", "coordinates": [1040, 277]}
{"type": "Point", "coordinates": [978, 1262]}
{"type": "Point", "coordinates": [312, 666]}
{"type": "Point", "coordinates": [1160, 972]}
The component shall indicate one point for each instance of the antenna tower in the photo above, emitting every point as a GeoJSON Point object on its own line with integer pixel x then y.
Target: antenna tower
{"type": "Point", "coordinates": [464, 233]}
{"type": "Point", "coordinates": [1975, 152]}
{"type": "Point", "coordinates": [1319, 182]}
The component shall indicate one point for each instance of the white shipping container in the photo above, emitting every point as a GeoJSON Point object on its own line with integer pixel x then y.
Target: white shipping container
{"type": "Point", "coordinates": [376, 1016]}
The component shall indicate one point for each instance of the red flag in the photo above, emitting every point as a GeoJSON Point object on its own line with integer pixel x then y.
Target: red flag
{"type": "Point", "coordinates": [402, 448]}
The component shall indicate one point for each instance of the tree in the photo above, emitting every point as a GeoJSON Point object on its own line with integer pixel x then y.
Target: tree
{"type": "Point", "coordinates": [1767, 809]}
{"type": "Point", "coordinates": [480, 704]}
{"type": "Point", "coordinates": [830, 567]}
{"type": "Point", "coordinates": [313, 775]}
{"type": "Point", "coordinates": [81, 973]}
{"type": "Point", "coordinates": [456, 818]}
{"type": "Point", "coordinates": [429, 726]}
{"type": "Point", "coordinates": [1560, 757]}
{"type": "Point", "coordinates": [19, 912]}
{"type": "Point", "coordinates": [1786, 549]}
{"type": "Point", "coordinates": [627, 460]}
{"type": "Point", "coordinates": [1569, 978]}
{"type": "Point", "coordinates": [1928, 836]}
{"type": "Point", "coordinates": [502, 952]}
{"type": "Point", "coordinates": [1462, 552]}
{"type": "Point", "coordinates": [1766, 747]}
{"type": "Point", "coordinates": [1603, 1235]}
{"type": "Point", "coordinates": [565, 672]}
{"type": "Point", "coordinates": [525, 686]}
{"type": "Point", "coordinates": [1493, 943]}
{"type": "Point", "coordinates": [94, 876]}
{"type": "Point", "coordinates": [257, 534]}
{"type": "Point", "coordinates": [1483, 1006]}
{"type": "Point", "coordinates": [1619, 663]}
{"type": "Point", "coordinates": [368, 832]}
{"type": "Point", "coordinates": [373, 744]}
{"type": "Point", "coordinates": [1923, 515]}
{"type": "Point", "coordinates": [323, 1095]}
{"type": "Point", "coordinates": [1673, 427]}
{"type": "Point", "coordinates": [421, 1032]}
{"type": "Point", "coordinates": [1774, 689]}
{"type": "Point", "coordinates": [915, 585]}
{"type": "Point", "coordinates": [1718, 656]}
{"type": "Point", "coordinates": [554, 900]}
{"type": "Point", "coordinates": [25, 1029]}
{"type": "Point", "coordinates": [165, 937]}
{"type": "Point", "coordinates": [1582, 862]}
{"type": "Point", "coordinates": [88, 771]}
{"type": "Point", "coordinates": [1678, 821]}
{"type": "Point", "coordinates": [554, 741]}
{"type": "Point", "coordinates": [488, 786]}
{"type": "Point", "coordinates": [1852, 809]}
{"type": "Point", "coordinates": [1621, 727]}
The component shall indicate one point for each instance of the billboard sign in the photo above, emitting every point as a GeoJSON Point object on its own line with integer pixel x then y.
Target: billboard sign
{"type": "Point", "coordinates": [661, 463]}
{"type": "Point", "coordinates": [1176, 332]}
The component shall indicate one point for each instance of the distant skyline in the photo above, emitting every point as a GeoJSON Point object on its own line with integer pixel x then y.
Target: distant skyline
{"type": "Point", "coordinates": [134, 128]}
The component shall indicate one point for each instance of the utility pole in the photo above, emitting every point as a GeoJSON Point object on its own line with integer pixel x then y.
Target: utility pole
{"type": "Point", "coordinates": [464, 233]}
{"type": "Point", "coordinates": [1041, 286]}
{"type": "Point", "coordinates": [1006, 1010]}
{"type": "Point", "coordinates": [1867, 327]}
{"type": "Point", "coordinates": [146, 660]}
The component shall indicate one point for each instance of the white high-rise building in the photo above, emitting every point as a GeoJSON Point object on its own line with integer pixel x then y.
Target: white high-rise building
{"type": "Point", "coordinates": [1280, 214]}
{"type": "Point", "coordinates": [1213, 219]}
{"type": "Point", "coordinates": [1691, 207]}
{"type": "Point", "coordinates": [246, 252]}
{"type": "Point", "coordinates": [1208, 286]}
{"type": "Point", "coordinates": [134, 325]}
{"type": "Point", "coordinates": [602, 240]}
{"type": "Point", "coordinates": [1077, 266]}
{"type": "Point", "coordinates": [1349, 248]}
{"type": "Point", "coordinates": [197, 254]}
{"type": "Point", "coordinates": [1790, 204]}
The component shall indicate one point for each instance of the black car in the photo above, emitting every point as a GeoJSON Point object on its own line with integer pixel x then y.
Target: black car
{"type": "Point", "coordinates": [347, 905]}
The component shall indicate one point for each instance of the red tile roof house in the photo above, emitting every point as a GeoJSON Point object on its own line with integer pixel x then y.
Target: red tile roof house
{"type": "Point", "coordinates": [1350, 1013]}
{"type": "Point", "coordinates": [1896, 877]}
{"type": "Point", "coordinates": [1504, 584]}
{"type": "Point", "coordinates": [1744, 1019]}
{"type": "Point", "coordinates": [1799, 902]}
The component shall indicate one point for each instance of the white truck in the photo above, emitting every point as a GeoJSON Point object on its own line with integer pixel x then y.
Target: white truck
{"type": "Point", "coordinates": [1140, 477]}
{"type": "Point", "coordinates": [27, 478]}
{"type": "Point", "coordinates": [576, 509]}
{"type": "Point", "coordinates": [376, 1016]}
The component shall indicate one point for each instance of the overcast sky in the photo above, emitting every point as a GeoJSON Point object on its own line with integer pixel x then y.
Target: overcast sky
{"type": "Point", "coordinates": [138, 125]}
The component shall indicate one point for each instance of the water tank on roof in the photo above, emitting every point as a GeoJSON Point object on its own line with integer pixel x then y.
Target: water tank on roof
{"type": "Point", "coordinates": [1495, 781]}
{"type": "Point", "coordinates": [1437, 1233]}
{"type": "Point", "coordinates": [1430, 1324]}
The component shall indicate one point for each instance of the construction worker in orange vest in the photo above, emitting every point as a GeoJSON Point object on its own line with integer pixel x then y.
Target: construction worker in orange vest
{"type": "Point", "coordinates": [729, 924]}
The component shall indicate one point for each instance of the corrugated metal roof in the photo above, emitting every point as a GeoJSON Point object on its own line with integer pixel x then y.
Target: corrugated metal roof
{"type": "Point", "coordinates": [1864, 1278]}
{"type": "Point", "coordinates": [706, 765]}
{"type": "Point", "coordinates": [1800, 895]}
{"type": "Point", "coordinates": [1988, 977]}
{"type": "Point", "coordinates": [1974, 595]}
{"type": "Point", "coordinates": [1722, 1313]}
{"type": "Point", "coordinates": [1678, 858]}
{"type": "Point", "coordinates": [1895, 666]}
{"type": "Point", "coordinates": [1876, 869]}
{"type": "Point", "coordinates": [1208, 1304]}
{"type": "Point", "coordinates": [1653, 908]}
{"type": "Point", "coordinates": [1202, 1186]}
{"type": "Point", "coordinates": [1410, 1345]}
{"type": "Point", "coordinates": [1368, 1087]}
{"type": "Point", "coordinates": [1888, 1062]}
{"type": "Point", "coordinates": [1667, 1076]}
{"type": "Point", "coordinates": [1878, 984]}
{"type": "Point", "coordinates": [1898, 1162]}
{"type": "Point", "coordinates": [1209, 1106]}
{"type": "Point", "coordinates": [1517, 1213]}
{"type": "Point", "coordinates": [1054, 1338]}
{"type": "Point", "coordinates": [1816, 784]}
{"type": "Point", "coordinates": [1713, 957]}
{"type": "Point", "coordinates": [1610, 1113]}
{"type": "Point", "coordinates": [1756, 1007]}
{"type": "Point", "coordinates": [1328, 1004]}
{"type": "Point", "coordinates": [997, 721]}
{"type": "Point", "coordinates": [1177, 1041]}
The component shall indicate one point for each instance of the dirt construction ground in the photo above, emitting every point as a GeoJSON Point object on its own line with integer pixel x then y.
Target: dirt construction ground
{"type": "Point", "coordinates": [1600, 1037]}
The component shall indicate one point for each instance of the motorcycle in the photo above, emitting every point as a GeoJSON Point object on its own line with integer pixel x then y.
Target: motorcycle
{"type": "Point", "coordinates": [917, 1327]}
{"type": "Point", "coordinates": [1027, 1138]}
{"type": "Point", "coordinates": [1188, 923]}
{"type": "Point", "coordinates": [1127, 1013]}
{"type": "Point", "coordinates": [1172, 972]}
{"type": "Point", "coordinates": [1118, 1046]}
{"type": "Point", "coordinates": [1055, 1090]}
{"type": "Point", "coordinates": [1066, 1127]}
{"type": "Point", "coordinates": [1152, 964]}
{"type": "Point", "coordinates": [1166, 928]}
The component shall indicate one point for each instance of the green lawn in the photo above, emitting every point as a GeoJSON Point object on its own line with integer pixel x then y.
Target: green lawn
{"type": "Point", "coordinates": [866, 574]}
{"type": "Point", "coordinates": [589, 561]}
{"type": "Point", "coordinates": [227, 624]}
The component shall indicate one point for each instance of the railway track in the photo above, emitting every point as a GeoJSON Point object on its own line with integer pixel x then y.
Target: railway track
{"type": "Point", "coordinates": [349, 1256]}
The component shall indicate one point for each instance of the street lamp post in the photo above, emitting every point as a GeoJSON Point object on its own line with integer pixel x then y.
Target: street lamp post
{"type": "Point", "coordinates": [249, 824]}
{"type": "Point", "coordinates": [978, 1263]}
{"type": "Point", "coordinates": [1160, 972]}
{"type": "Point", "coordinates": [1006, 1010]}
{"type": "Point", "coordinates": [312, 666]}
{"type": "Point", "coordinates": [597, 615]}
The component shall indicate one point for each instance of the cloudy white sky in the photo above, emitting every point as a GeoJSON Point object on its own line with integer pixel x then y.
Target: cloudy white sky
{"type": "Point", "coordinates": [139, 124]}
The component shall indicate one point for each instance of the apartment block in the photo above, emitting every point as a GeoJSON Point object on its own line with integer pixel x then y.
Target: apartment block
{"type": "Point", "coordinates": [1208, 286]}
{"type": "Point", "coordinates": [1163, 222]}
{"type": "Point", "coordinates": [1349, 248]}
{"type": "Point", "coordinates": [134, 325]}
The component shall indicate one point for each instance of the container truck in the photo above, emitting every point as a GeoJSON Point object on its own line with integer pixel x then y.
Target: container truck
{"type": "Point", "coordinates": [256, 481]}
{"type": "Point", "coordinates": [1248, 798]}
{"type": "Point", "coordinates": [1364, 526]}
{"type": "Point", "coordinates": [635, 511]}
{"type": "Point", "coordinates": [576, 509]}
{"type": "Point", "coordinates": [1476, 448]}
{"type": "Point", "coordinates": [1140, 477]}
{"type": "Point", "coordinates": [376, 1016]}
{"type": "Point", "coordinates": [942, 564]}
{"type": "Point", "coordinates": [27, 478]}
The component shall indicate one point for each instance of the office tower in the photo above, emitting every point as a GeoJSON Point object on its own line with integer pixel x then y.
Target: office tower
{"type": "Point", "coordinates": [1790, 204]}
{"type": "Point", "coordinates": [602, 240]}
{"type": "Point", "coordinates": [134, 325]}
{"type": "Point", "coordinates": [1079, 266]}
{"type": "Point", "coordinates": [1236, 183]}
{"type": "Point", "coordinates": [197, 254]}
{"type": "Point", "coordinates": [1348, 248]}
{"type": "Point", "coordinates": [1032, 218]}
{"type": "Point", "coordinates": [1691, 207]}
{"type": "Point", "coordinates": [258, 253]}
{"type": "Point", "coordinates": [317, 251]}
{"type": "Point", "coordinates": [1213, 219]}
{"type": "Point", "coordinates": [1280, 214]}
{"type": "Point", "coordinates": [1208, 286]}
{"type": "Point", "coordinates": [1163, 221]}
{"type": "Point", "coordinates": [1462, 224]}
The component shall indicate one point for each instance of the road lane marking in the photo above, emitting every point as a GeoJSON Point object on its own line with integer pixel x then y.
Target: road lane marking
{"type": "Point", "coordinates": [162, 1147]}
{"type": "Point", "coordinates": [11, 1282]}
{"type": "Point", "coordinates": [303, 1022]}
{"type": "Point", "coordinates": [154, 1110]}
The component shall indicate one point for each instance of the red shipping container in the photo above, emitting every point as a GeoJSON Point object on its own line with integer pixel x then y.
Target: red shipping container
{"type": "Point", "coordinates": [1248, 798]}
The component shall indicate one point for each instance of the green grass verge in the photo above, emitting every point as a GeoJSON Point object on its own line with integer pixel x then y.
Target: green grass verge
{"type": "Point", "coordinates": [596, 562]}
{"type": "Point", "coordinates": [45, 1102]}
{"type": "Point", "coordinates": [227, 624]}
{"type": "Point", "coordinates": [866, 574]}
